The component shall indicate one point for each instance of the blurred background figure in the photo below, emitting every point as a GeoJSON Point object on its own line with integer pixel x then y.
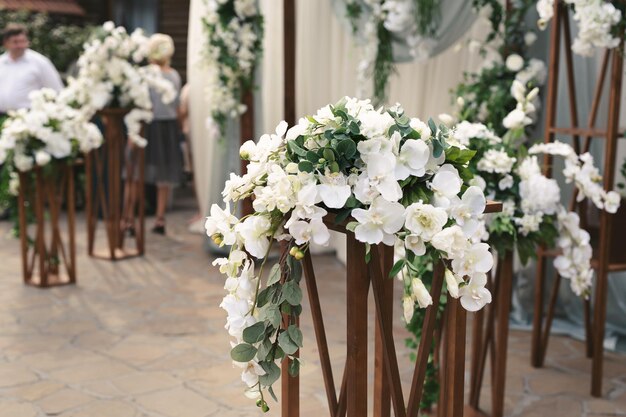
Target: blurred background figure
{"type": "Point", "coordinates": [164, 159]}
{"type": "Point", "coordinates": [22, 70]}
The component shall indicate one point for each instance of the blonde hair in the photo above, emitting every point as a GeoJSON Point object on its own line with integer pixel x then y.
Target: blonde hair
{"type": "Point", "coordinates": [160, 48]}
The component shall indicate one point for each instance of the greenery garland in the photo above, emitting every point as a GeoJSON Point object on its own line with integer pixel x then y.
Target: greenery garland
{"type": "Point", "coordinates": [382, 22]}
{"type": "Point", "coordinates": [234, 30]}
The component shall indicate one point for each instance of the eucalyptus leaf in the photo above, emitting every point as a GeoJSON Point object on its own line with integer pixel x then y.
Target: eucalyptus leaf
{"type": "Point", "coordinates": [264, 349]}
{"type": "Point", "coordinates": [271, 313]}
{"type": "Point", "coordinates": [292, 293]}
{"type": "Point", "coordinates": [274, 275]}
{"type": "Point", "coordinates": [305, 166]}
{"type": "Point", "coordinates": [295, 269]}
{"type": "Point", "coordinates": [286, 344]}
{"type": "Point", "coordinates": [294, 367]}
{"type": "Point", "coordinates": [347, 148]}
{"type": "Point", "coordinates": [272, 373]}
{"type": "Point", "coordinates": [254, 333]}
{"type": "Point", "coordinates": [295, 334]}
{"type": "Point", "coordinates": [397, 267]}
{"type": "Point", "coordinates": [243, 352]}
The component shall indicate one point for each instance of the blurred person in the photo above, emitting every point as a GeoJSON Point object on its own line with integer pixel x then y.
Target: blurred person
{"type": "Point", "coordinates": [22, 70]}
{"type": "Point", "coordinates": [164, 159]}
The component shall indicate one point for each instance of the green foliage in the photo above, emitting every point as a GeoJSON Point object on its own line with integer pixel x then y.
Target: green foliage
{"type": "Point", "coordinates": [59, 41]}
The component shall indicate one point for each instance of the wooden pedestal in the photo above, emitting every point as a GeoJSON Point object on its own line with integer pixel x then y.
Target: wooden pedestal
{"type": "Point", "coordinates": [47, 262]}
{"type": "Point", "coordinates": [351, 400]}
{"type": "Point", "coordinates": [104, 192]}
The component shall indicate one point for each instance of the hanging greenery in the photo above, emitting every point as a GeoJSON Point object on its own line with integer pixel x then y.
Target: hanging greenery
{"type": "Point", "coordinates": [234, 30]}
{"type": "Point", "coordinates": [377, 24]}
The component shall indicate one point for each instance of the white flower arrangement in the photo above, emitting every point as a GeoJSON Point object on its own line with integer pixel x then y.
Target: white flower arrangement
{"type": "Point", "coordinates": [234, 30]}
{"type": "Point", "coordinates": [110, 74]}
{"type": "Point", "coordinates": [49, 131]}
{"type": "Point", "coordinates": [598, 23]}
{"type": "Point", "coordinates": [533, 214]}
{"type": "Point", "coordinates": [399, 180]}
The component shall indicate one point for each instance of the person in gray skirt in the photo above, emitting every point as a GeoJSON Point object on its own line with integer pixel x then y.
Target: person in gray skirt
{"type": "Point", "coordinates": [164, 159]}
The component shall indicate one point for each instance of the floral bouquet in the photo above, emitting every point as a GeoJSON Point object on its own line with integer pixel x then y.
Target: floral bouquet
{"type": "Point", "coordinates": [398, 180]}
{"type": "Point", "coordinates": [110, 75]}
{"type": "Point", "coordinates": [49, 131]}
{"type": "Point", "coordinates": [533, 214]}
{"type": "Point", "coordinates": [600, 23]}
{"type": "Point", "coordinates": [234, 30]}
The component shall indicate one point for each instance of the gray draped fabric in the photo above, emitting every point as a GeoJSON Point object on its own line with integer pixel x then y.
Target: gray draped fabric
{"type": "Point", "coordinates": [456, 19]}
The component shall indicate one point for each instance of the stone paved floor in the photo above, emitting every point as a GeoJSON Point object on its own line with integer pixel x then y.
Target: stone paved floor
{"type": "Point", "coordinates": [145, 338]}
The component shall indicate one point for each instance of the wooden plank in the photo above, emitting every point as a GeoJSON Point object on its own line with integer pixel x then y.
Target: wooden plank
{"type": "Point", "coordinates": [356, 343]}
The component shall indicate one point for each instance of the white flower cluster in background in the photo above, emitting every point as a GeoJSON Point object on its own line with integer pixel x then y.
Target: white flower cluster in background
{"type": "Point", "coordinates": [581, 170]}
{"type": "Point", "coordinates": [49, 130]}
{"type": "Point", "coordinates": [366, 161]}
{"type": "Point", "coordinates": [596, 22]}
{"type": "Point", "coordinates": [532, 202]}
{"type": "Point", "coordinates": [233, 48]}
{"type": "Point", "coordinates": [110, 75]}
{"type": "Point", "coordinates": [525, 112]}
{"type": "Point", "coordinates": [574, 262]}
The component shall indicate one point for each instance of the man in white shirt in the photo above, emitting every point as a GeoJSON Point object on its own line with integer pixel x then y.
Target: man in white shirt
{"type": "Point", "coordinates": [22, 70]}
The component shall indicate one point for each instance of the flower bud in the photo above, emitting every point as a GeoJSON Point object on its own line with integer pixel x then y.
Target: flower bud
{"type": "Point", "coordinates": [452, 284]}
{"type": "Point", "coordinates": [217, 238]}
{"type": "Point", "coordinates": [293, 250]}
{"type": "Point", "coordinates": [420, 293]}
{"type": "Point", "coordinates": [299, 255]}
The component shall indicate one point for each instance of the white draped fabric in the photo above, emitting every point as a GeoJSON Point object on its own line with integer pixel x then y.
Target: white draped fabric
{"type": "Point", "coordinates": [326, 71]}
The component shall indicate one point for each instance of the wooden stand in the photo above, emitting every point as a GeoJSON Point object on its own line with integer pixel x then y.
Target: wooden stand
{"type": "Point", "coordinates": [492, 337]}
{"type": "Point", "coordinates": [353, 392]}
{"type": "Point", "coordinates": [46, 264]}
{"type": "Point", "coordinates": [103, 189]}
{"type": "Point", "coordinates": [609, 134]}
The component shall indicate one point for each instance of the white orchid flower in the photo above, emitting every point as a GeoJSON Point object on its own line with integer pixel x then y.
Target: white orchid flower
{"type": "Point", "coordinates": [315, 230]}
{"type": "Point", "coordinates": [334, 189]}
{"type": "Point", "coordinates": [221, 221]}
{"type": "Point", "coordinates": [424, 220]}
{"type": "Point", "coordinates": [379, 222]}
{"type": "Point", "coordinates": [255, 232]}
{"type": "Point", "coordinates": [412, 159]}
{"type": "Point", "coordinates": [476, 258]}
{"type": "Point", "coordinates": [474, 295]}
{"type": "Point", "coordinates": [446, 184]}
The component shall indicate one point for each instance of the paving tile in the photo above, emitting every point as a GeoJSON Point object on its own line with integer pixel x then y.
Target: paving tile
{"type": "Point", "coordinates": [177, 402]}
{"type": "Point", "coordinates": [144, 382]}
{"type": "Point", "coordinates": [12, 374]}
{"type": "Point", "coordinates": [63, 400]}
{"type": "Point", "coordinates": [17, 409]}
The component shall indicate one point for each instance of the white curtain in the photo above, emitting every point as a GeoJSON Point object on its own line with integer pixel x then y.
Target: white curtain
{"type": "Point", "coordinates": [325, 72]}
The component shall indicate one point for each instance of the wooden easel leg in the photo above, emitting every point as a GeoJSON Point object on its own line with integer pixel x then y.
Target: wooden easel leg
{"type": "Point", "coordinates": [357, 293]}
{"type": "Point", "coordinates": [502, 334]}
{"type": "Point", "coordinates": [536, 359]}
{"type": "Point", "coordinates": [452, 395]}
{"type": "Point", "coordinates": [290, 388]}
{"type": "Point", "coordinates": [382, 395]}
{"type": "Point", "coordinates": [588, 329]}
